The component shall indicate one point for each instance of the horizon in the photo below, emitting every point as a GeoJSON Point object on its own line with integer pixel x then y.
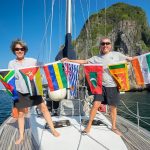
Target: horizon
{"type": "Point", "coordinates": [30, 25]}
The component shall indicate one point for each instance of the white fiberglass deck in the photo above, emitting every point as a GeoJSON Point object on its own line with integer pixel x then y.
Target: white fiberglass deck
{"type": "Point", "coordinates": [100, 137]}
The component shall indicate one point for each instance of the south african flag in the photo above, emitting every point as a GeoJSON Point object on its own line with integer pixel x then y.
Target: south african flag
{"type": "Point", "coordinates": [7, 78]}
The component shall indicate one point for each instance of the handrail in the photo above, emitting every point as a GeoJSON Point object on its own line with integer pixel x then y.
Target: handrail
{"type": "Point", "coordinates": [134, 113]}
{"type": "Point", "coordinates": [131, 113]}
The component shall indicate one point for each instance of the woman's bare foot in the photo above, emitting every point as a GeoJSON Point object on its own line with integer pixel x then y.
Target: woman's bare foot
{"type": "Point", "coordinates": [20, 140]}
{"type": "Point", "coordinates": [86, 130]}
{"type": "Point", "coordinates": [55, 133]}
{"type": "Point", "coordinates": [117, 132]}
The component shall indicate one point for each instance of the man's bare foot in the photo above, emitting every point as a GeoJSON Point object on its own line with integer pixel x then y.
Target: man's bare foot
{"type": "Point", "coordinates": [19, 141]}
{"type": "Point", "coordinates": [117, 132]}
{"type": "Point", "coordinates": [55, 133]}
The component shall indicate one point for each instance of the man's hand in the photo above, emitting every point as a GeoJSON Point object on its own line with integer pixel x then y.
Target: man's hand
{"type": "Point", "coordinates": [65, 59]}
{"type": "Point", "coordinates": [129, 58]}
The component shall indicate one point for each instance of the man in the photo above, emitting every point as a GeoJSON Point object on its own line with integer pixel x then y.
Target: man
{"type": "Point", "coordinates": [110, 93]}
{"type": "Point", "coordinates": [19, 49]}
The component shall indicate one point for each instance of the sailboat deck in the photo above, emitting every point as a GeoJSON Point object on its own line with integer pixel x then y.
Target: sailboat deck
{"type": "Point", "coordinates": [9, 134]}
{"type": "Point", "coordinates": [133, 139]}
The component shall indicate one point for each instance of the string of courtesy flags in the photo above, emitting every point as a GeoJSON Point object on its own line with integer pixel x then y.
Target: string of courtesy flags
{"type": "Point", "coordinates": [65, 75]}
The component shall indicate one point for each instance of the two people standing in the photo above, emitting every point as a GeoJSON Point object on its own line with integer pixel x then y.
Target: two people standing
{"type": "Point", "coordinates": [110, 93]}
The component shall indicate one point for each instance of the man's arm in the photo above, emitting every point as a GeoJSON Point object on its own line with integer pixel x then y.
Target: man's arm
{"type": "Point", "coordinates": [129, 58]}
{"type": "Point", "coordinates": [74, 61]}
{"type": "Point", "coordinates": [124, 57]}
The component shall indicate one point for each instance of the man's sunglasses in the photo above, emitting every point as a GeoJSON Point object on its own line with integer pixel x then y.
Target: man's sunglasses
{"type": "Point", "coordinates": [105, 43]}
{"type": "Point", "coordinates": [17, 49]}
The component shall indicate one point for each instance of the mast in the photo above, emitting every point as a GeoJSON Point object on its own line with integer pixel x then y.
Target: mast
{"type": "Point", "coordinates": [68, 50]}
{"type": "Point", "coordinates": [68, 17]}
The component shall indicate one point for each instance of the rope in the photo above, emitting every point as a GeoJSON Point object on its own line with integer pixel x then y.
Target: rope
{"type": "Point", "coordinates": [97, 142]}
{"type": "Point", "coordinates": [22, 11]}
{"type": "Point", "coordinates": [90, 138]}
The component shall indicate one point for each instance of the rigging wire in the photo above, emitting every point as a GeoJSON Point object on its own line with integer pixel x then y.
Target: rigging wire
{"type": "Point", "coordinates": [88, 26]}
{"type": "Point", "coordinates": [87, 32]}
{"type": "Point", "coordinates": [89, 39]}
{"type": "Point", "coordinates": [45, 32]}
{"type": "Point", "coordinates": [75, 34]}
{"type": "Point", "coordinates": [74, 20]}
{"type": "Point", "coordinates": [45, 29]}
{"type": "Point", "coordinates": [51, 29]}
{"type": "Point", "coordinates": [22, 15]}
{"type": "Point", "coordinates": [60, 22]}
{"type": "Point", "coordinates": [85, 24]}
{"type": "Point", "coordinates": [97, 17]}
{"type": "Point", "coordinates": [43, 44]}
{"type": "Point", "coordinates": [105, 16]}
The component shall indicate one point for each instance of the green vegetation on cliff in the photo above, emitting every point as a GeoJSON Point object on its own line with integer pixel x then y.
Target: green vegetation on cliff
{"type": "Point", "coordinates": [126, 25]}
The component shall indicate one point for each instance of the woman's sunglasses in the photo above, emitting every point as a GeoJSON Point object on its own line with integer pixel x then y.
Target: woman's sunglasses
{"type": "Point", "coordinates": [17, 49]}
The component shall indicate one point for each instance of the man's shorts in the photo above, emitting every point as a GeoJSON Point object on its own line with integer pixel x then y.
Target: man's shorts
{"type": "Point", "coordinates": [110, 96]}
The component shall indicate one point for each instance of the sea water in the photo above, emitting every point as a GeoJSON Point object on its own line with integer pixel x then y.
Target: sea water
{"type": "Point", "coordinates": [5, 106]}
{"type": "Point", "coordinates": [130, 99]}
{"type": "Point", "coordinates": [133, 101]}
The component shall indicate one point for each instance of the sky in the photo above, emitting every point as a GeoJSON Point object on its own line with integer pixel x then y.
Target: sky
{"type": "Point", "coordinates": [42, 26]}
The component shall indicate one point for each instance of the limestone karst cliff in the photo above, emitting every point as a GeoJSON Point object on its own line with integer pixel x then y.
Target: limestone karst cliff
{"type": "Point", "coordinates": [127, 27]}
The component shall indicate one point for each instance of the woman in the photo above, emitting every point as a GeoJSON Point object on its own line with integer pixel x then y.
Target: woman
{"type": "Point", "coordinates": [19, 48]}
